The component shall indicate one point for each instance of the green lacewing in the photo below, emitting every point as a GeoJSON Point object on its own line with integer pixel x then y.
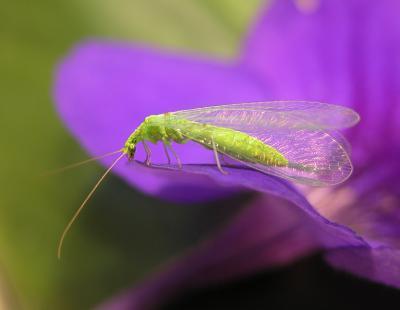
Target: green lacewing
{"type": "Point", "coordinates": [294, 140]}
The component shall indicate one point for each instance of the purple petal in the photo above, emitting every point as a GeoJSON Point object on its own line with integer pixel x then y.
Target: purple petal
{"type": "Point", "coordinates": [271, 231]}
{"type": "Point", "coordinates": [370, 206]}
{"type": "Point", "coordinates": [378, 264]}
{"type": "Point", "coordinates": [104, 90]}
{"type": "Point", "coordinates": [246, 178]}
{"type": "Point", "coordinates": [345, 52]}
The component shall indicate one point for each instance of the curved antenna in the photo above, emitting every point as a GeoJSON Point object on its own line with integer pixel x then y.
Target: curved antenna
{"type": "Point", "coordinates": [62, 169]}
{"type": "Point", "coordinates": [77, 212]}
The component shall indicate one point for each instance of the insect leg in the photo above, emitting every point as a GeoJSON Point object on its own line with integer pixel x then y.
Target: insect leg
{"type": "Point", "coordinates": [166, 151]}
{"type": "Point", "coordinates": [148, 153]}
{"type": "Point", "coordinates": [217, 158]}
{"type": "Point", "coordinates": [178, 160]}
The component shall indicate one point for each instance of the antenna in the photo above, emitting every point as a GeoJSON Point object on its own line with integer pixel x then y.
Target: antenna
{"type": "Point", "coordinates": [77, 212]}
{"type": "Point", "coordinates": [62, 169]}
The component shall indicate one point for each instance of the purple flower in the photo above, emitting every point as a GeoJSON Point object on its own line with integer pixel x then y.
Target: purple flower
{"type": "Point", "coordinates": [345, 52]}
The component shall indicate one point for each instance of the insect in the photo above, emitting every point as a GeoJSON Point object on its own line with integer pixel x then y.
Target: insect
{"type": "Point", "coordinates": [294, 140]}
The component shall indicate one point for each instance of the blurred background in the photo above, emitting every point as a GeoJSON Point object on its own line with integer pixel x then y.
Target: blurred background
{"type": "Point", "coordinates": [113, 248]}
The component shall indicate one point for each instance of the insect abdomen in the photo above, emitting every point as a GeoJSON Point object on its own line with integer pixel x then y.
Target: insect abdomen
{"type": "Point", "coordinates": [231, 142]}
{"type": "Point", "coordinates": [245, 147]}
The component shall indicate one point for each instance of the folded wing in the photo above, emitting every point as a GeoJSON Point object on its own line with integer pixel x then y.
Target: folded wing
{"type": "Point", "coordinates": [304, 132]}
{"type": "Point", "coordinates": [275, 114]}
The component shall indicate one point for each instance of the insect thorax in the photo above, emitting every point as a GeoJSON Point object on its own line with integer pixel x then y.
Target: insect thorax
{"type": "Point", "coordinates": [154, 128]}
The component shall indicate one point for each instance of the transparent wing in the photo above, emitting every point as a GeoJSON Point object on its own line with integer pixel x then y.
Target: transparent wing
{"type": "Point", "coordinates": [304, 132]}
{"type": "Point", "coordinates": [315, 157]}
{"type": "Point", "coordinates": [274, 114]}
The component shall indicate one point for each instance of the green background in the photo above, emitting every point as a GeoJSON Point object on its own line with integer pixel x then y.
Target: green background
{"type": "Point", "coordinates": [122, 235]}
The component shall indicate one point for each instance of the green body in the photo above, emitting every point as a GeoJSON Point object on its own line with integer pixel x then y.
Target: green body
{"type": "Point", "coordinates": [239, 145]}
